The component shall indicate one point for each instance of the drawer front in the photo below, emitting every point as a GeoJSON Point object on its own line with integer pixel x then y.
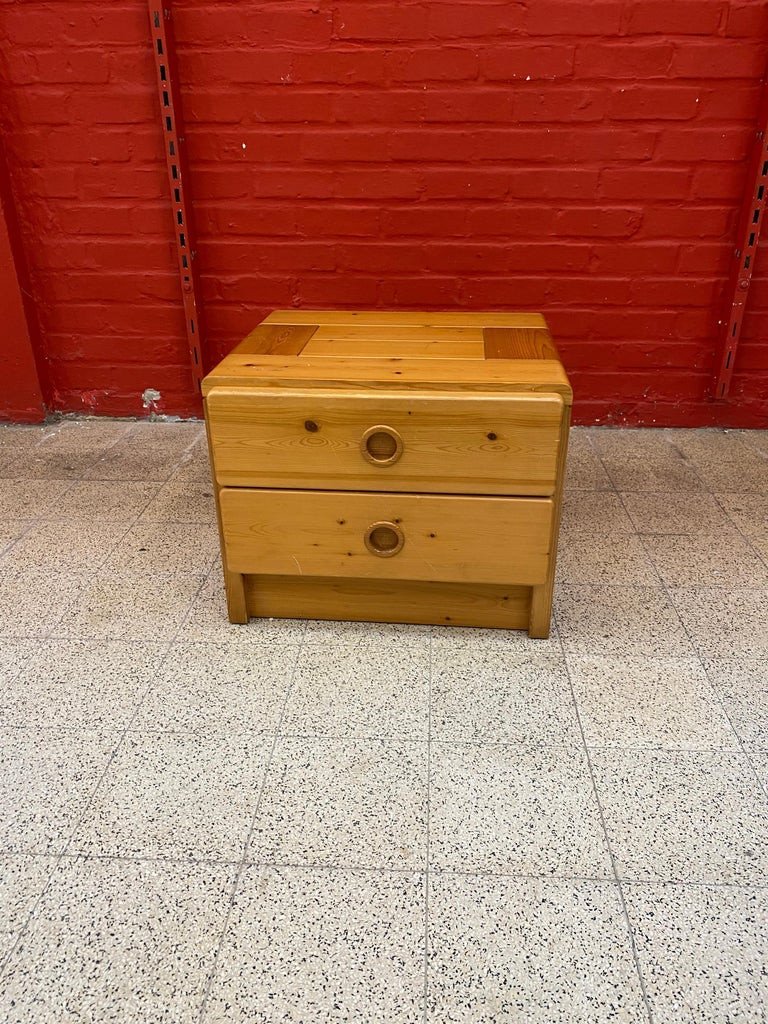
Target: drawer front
{"type": "Point", "coordinates": [386, 536]}
{"type": "Point", "coordinates": [352, 440]}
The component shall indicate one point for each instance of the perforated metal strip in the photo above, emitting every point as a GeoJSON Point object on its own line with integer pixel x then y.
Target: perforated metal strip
{"type": "Point", "coordinates": [744, 257]}
{"type": "Point", "coordinates": [173, 139]}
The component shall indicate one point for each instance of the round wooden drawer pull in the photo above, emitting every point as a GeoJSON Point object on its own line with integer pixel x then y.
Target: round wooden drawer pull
{"type": "Point", "coordinates": [381, 445]}
{"type": "Point", "coordinates": [384, 539]}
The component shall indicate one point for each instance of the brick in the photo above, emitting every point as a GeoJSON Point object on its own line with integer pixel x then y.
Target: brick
{"type": "Point", "coordinates": [551, 17]}
{"type": "Point", "coordinates": [747, 19]}
{"type": "Point", "coordinates": [719, 59]}
{"type": "Point", "coordinates": [514, 220]}
{"type": "Point", "coordinates": [722, 181]}
{"type": "Point", "coordinates": [421, 292]}
{"type": "Point", "coordinates": [451, 20]}
{"type": "Point", "coordinates": [374, 22]}
{"type": "Point", "coordinates": [345, 146]}
{"type": "Point", "coordinates": [682, 17]}
{"type": "Point", "coordinates": [649, 182]}
{"type": "Point", "coordinates": [656, 258]}
{"type": "Point", "coordinates": [695, 222]}
{"type": "Point", "coordinates": [343, 67]}
{"type": "Point", "coordinates": [422, 221]}
{"type": "Point", "coordinates": [526, 62]}
{"type": "Point", "coordinates": [654, 103]}
{"type": "Point", "coordinates": [560, 105]}
{"type": "Point", "coordinates": [625, 59]}
{"type": "Point", "coordinates": [466, 183]}
{"type": "Point", "coordinates": [700, 143]}
{"type": "Point", "coordinates": [441, 64]}
{"type": "Point", "coordinates": [707, 259]}
{"type": "Point", "coordinates": [598, 222]}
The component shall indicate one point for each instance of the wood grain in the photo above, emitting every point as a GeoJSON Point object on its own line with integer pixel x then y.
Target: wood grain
{"type": "Point", "coordinates": [416, 318]}
{"type": "Point", "coordinates": [461, 444]}
{"type": "Point", "coordinates": [276, 340]}
{"type": "Point", "coordinates": [450, 604]}
{"type": "Point", "coordinates": [508, 375]}
{"type": "Point", "coordinates": [518, 343]}
{"type": "Point", "coordinates": [322, 533]}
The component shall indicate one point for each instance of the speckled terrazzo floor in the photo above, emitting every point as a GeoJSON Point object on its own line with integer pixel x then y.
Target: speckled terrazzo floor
{"type": "Point", "coordinates": [309, 822]}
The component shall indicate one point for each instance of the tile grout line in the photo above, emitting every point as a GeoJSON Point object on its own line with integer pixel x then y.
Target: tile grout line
{"type": "Point", "coordinates": [425, 995]}
{"type": "Point", "coordinates": [630, 933]}
{"type": "Point", "coordinates": [357, 869]}
{"type": "Point", "coordinates": [763, 787]}
{"type": "Point", "coordinates": [244, 862]}
{"type": "Point", "coordinates": [110, 760]}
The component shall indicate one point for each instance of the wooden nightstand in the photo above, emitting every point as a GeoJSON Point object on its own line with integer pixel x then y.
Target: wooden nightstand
{"type": "Point", "coordinates": [392, 467]}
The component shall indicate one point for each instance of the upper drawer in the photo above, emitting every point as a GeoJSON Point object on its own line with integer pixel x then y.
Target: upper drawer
{"type": "Point", "coordinates": [374, 440]}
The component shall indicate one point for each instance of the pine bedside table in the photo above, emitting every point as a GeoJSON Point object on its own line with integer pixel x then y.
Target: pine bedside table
{"type": "Point", "coordinates": [391, 467]}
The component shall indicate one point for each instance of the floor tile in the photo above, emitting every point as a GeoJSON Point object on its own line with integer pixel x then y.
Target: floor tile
{"type": "Point", "coordinates": [683, 817]}
{"type": "Point", "coordinates": [46, 780]}
{"type": "Point", "coordinates": [29, 499]}
{"type": "Point", "coordinates": [638, 442]}
{"type": "Point", "coordinates": [10, 532]}
{"type": "Point", "coordinates": [33, 600]}
{"type": "Point", "coordinates": [455, 638]}
{"type": "Point", "coordinates": [756, 439]}
{"type": "Point", "coordinates": [748, 512]}
{"type": "Point", "coordinates": [687, 513]}
{"type": "Point", "coordinates": [514, 810]}
{"type": "Point", "coordinates": [76, 546]}
{"type": "Point", "coordinates": [138, 458]}
{"type": "Point", "coordinates": [759, 761]}
{"type": "Point", "coordinates": [22, 880]}
{"type": "Point", "coordinates": [113, 606]}
{"type": "Point", "coordinates": [699, 445]}
{"type": "Point", "coordinates": [219, 688]}
{"type": "Point", "coordinates": [166, 547]}
{"type": "Point", "coordinates": [739, 474]}
{"type": "Point", "coordinates": [114, 501]}
{"type": "Point", "coordinates": [613, 559]}
{"type": "Point", "coordinates": [309, 946]}
{"type": "Point", "coordinates": [503, 949]}
{"type": "Point", "coordinates": [365, 633]}
{"type": "Point", "coordinates": [619, 621]}
{"type": "Point", "coordinates": [182, 501]}
{"type": "Point", "coordinates": [665, 472]}
{"type": "Point", "coordinates": [119, 941]}
{"type": "Point", "coordinates": [724, 623]}
{"type": "Point", "coordinates": [176, 796]}
{"type": "Point", "coordinates": [207, 622]}
{"type": "Point", "coordinates": [582, 510]}
{"type": "Point", "coordinates": [360, 691]}
{"type": "Point", "coordinates": [665, 703]}
{"type": "Point", "coordinates": [759, 542]}
{"type": "Point", "coordinates": [346, 803]}
{"type": "Point", "coordinates": [21, 436]}
{"type": "Point", "coordinates": [707, 560]}
{"type": "Point", "coordinates": [80, 684]}
{"type": "Point", "coordinates": [14, 654]}
{"type": "Point", "coordinates": [702, 951]}
{"type": "Point", "coordinates": [741, 684]}
{"type": "Point", "coordinates": [583, 469]}
{"type": "Point", "coordinates": [502, 697]}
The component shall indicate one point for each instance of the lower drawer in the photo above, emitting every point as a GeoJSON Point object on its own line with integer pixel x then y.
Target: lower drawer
{"type": "Point", "coordinates": [386, 536]}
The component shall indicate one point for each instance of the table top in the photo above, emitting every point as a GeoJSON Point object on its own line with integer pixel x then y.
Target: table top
{"type": "Point", "coordinates": [405, 350]}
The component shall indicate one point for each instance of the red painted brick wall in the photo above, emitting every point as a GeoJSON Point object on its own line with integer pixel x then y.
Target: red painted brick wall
{"type": "Point", "coordinates": [583, 158]}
